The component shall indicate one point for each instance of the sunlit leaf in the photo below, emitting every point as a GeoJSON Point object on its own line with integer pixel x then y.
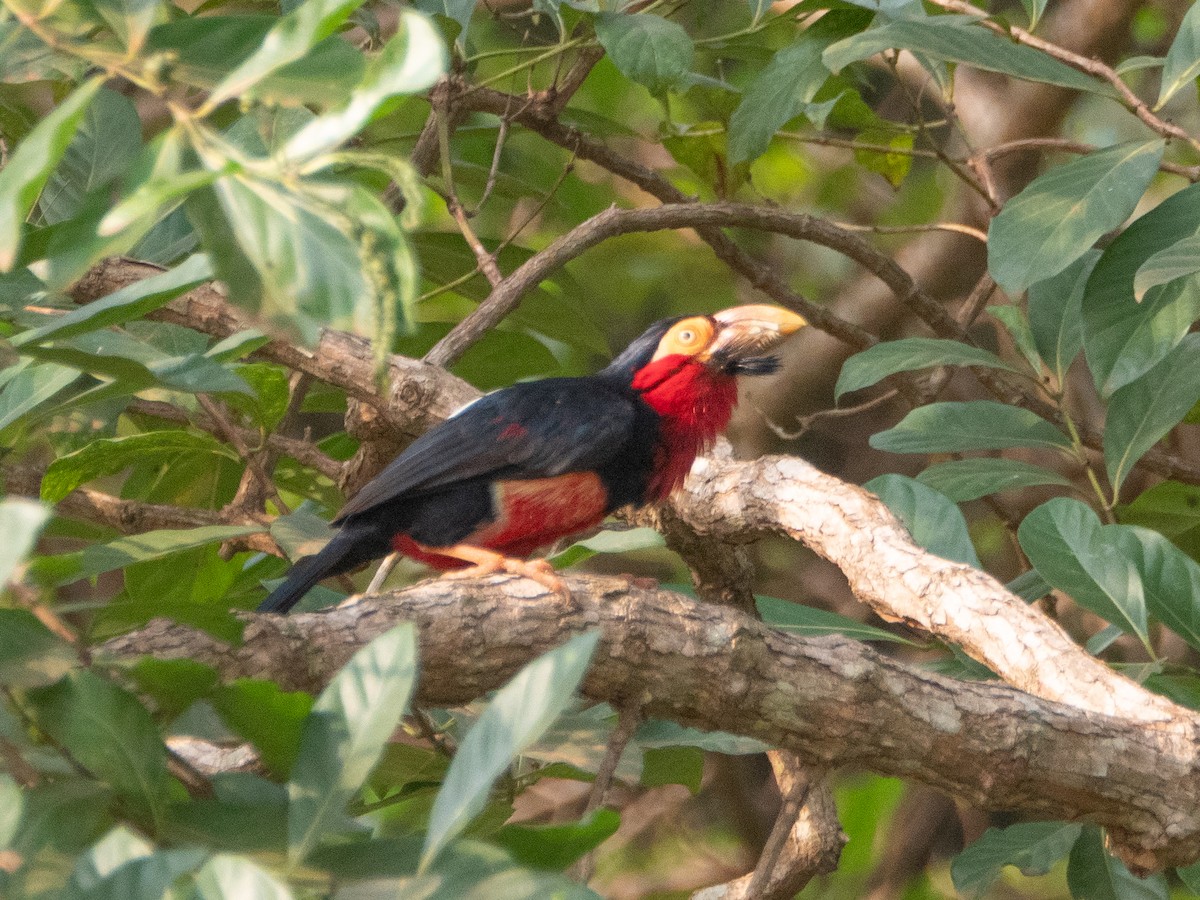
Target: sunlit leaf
{"type": "Point", "coordinates": [21, 522]}
{"type": "Point", "coordinates": [345, 733]}
{"type": "Point", "coordinates": [30, 164]}
{"type": "Point", "coordinates": [886, 358]}
{"type": "Point", "coordinates": [1183, 59]}
{"type": "Point", "coordinates": [1057, 217]}
{"type": "Point", "coordinates": [974, 425]}
{"type": "Point", "coordinates": [226, 877]}
{"type": "Point", "coordinates": [517, 716]}
{"type": "Point", "coordinates": [932, 518]}
{"type": "Point", "coordinates": [970, 479]}
{"type": "Point", "coordinates": [1065, 541]}
{"type": "Point", "coordinates": [1142, 412]}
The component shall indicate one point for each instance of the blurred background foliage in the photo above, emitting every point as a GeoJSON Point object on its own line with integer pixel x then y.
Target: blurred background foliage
{"type": "Point", "coordinates": [288, 150]}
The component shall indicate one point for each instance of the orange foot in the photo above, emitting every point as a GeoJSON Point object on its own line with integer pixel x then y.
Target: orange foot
{"type": "Point", "coordinates": [487, 562]}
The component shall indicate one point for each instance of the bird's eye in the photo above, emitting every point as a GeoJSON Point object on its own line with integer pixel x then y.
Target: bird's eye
{"type": "Point", "coordinates": [687, 336]}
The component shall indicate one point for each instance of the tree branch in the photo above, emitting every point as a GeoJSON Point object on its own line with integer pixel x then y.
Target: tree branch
{"type": "Point", "coordinates": [831, 700]}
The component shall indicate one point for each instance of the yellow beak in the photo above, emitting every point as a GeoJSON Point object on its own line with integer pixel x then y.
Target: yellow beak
{"type": "Point", "coordinates": [745, 330]}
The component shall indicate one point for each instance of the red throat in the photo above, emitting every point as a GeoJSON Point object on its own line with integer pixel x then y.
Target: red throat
{"type": "Point", "coordinates": [695, 403]}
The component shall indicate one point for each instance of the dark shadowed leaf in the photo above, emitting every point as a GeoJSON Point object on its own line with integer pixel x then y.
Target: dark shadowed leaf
{"type": "Point", "coordinates": [906, 355]}
{"type": "Point", "coordinates": [517, 716]}
{"type": "Point", "coordinates": [269, 718]}
{"type": "Point", "coordinates": [1054, 314]}
{"type": "Point", "coordinates": [673, 765]}
{"type": "Point", "coordinates": [1143, 411]}
{"type": "Point", "coordinates": [30, 164]}
{"type": "Point", "coordinates": [1170, 578]}
{"type": "Point", "coordinates": [1179, 260]}
{"type": "Point", "coordinates": [1033, 847]}
{"type": "Point", "coordinates": [777, 94]}
{"type": "Point", "coordinates": [970, 479]}
{"type": "Point", "coordinates": [555, 847]}
{"type": "Point", "coordinates": [811, 622]}
{"type": "Point", "coordinates": [1183, 59]}
{"type": "Point", "coordinates": [111, 734]}
{"type": "Point", "coordinates": [30, 654]}
{"type": "Point", "coordinates": [345, 733]}
{"type": "Point", "coordinates": [932, 518]}
{"type": "Point", "coordinates": [1124, 338]}
{"type": "Point", "coordinates": [1065, 541]}
{"type": "Point", "coordinates": [955, 40]}
{"type": "Point", "coordinates": [1095, 874]}
{"type": "Point", "coordinates": [648, 49]}
{"type": "Point", "coordinates": [974, 425]}
{"type": "Point", "coordinates": [1057, 218]}
{"type": "Point", "coordinates": [107, 140]}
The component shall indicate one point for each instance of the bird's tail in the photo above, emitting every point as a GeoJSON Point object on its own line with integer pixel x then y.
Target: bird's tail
{"type": "Point", "coordinates": [334, 558]}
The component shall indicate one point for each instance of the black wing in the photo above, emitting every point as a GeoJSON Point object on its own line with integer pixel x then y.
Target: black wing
{"type": "Point", "coordinates": [533, 430]}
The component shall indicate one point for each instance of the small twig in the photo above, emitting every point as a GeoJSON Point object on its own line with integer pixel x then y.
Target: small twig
{"type": "Point", "coordinates": [956, 227]}
{"type": "Point", "coordinates": [807, 422]}
{"type": "Point", "coordinates": [501, 137]}
{"type": "Point", "coordinates": [789, 812]}
{"type": "Point", "coordinates": [439, 740]}
{"type": "Point", "coordinates": [193, 780]}
{"type": "Point", "coordinates": [1093, 67]}
{"type": "Point", "coordinates": [1064, 145]}
{"type": "Point", "coordinates": [254, 466]}
{"type": "Point", "coordinates": [629, 715]}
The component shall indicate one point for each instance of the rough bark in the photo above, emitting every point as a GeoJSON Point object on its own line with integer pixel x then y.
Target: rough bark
{"type": "Point", "coordinates": [833, 701]}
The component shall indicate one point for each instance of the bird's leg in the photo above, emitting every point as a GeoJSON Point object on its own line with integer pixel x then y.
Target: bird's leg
{"type": "Point", "coordinates": [384, 570]}
{"type": "Point", "coordinates": [486, 562]}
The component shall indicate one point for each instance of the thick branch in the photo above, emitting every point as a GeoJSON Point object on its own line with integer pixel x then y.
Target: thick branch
{"type": "Point", "coordinates": [831, 700]}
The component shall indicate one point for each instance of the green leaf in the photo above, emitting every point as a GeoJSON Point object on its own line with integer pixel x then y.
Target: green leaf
{"type": "Point", "coordinates": [99, 558]}
{"type": "Point", "coordinates": [1033, 847]}
{"type": "Point", "coordinates": [653, 51]}
{"type": "Point", "coordinates": [932, 518]}
{"type": "Point", "coordinates": [1173, 510]}
{"type": "Point", "coordinates": [289, 39]}
{"type": "Point", "coordinates": [345, 733]}
{"type": "Point", "coordinates": [116, 848]}
{"type": "Point", "coordinates": [131, 302]}
{"type": "Point", "coordinates": [1142, 412]}
{"type": "Point", "coordinates": [970, 479]}
{"type": "Point", "coordinates": [974, 425]}
{"type": "Point", "coordinates": [30, 654]}
{"type": "Point", "coordinates": [110, 733]}
{"type": "Point", "coordinates": [165, 182]}
{"type": "Point", "coordinates": [130, 20]}
{"type": "Point", "coordinates": [111, 455]}
{"type": "Point", "coordinates": [1094, 874]}
{"type": "Point", "coordinates": [1179, 260]}
{"type": "Point", "coordinates": [555, 847]}
{"type": "Point", "coordinates": [21, 522]}
{"type": "Point", "coordinates": [174, 684]}
{"type": "Point", "coordinates": [1066, 543]}
{"type": "Point", "coordinates": [108, 138]}
{"type": "Point", "coordinates": [273, 720]}
{"type": "Point", "coordinates": [1055, 316]}
{"type": "Point", "coordinates": [1183, 59]}
{"type": "Point", "coordinates": [281, 260]}
{"type": "Point", "coordinates": [894, 166]}
{"type": "Point", "coordinates": [808, 621]}
{"type": "Point", "coordinates": [777, 95]}
{"type": "Point", "coordinates": [1170, 578]}
{"type": "Point", "coordinates": [1016, 323]}
{"type": "Point", "coordinates": [1190, 876]}
{"type": "Point", "coordinates": [474, 871]}
{"type": "Point", "coordinates": [28, 387]}
{"type": "Point", "coordinates": [12, 804]}
{"type": "Point", "coordinates": [955, 40]}
{"type": "Point", "coordinates": [1122, 337]}
{"type": "Point", "coordinates": [664, 733]}
{"type": "Point", "coordinates": [226, 877]}
{"type": "Point", "coordinates": [906, 355]}
{"type": "Point", "coordinates": [629, 540]}
{"type": "Point", "coordinates": [409, 62]}
{"type": "Point", "coordinates": [517, 716]}
{"type": "Point", "coordinates": [1034, 8]}
{"type": "Point", "coordinates": [1058, 216]}
{"type": "Point", "coordinates": [673, 765]}
{"type": "Point", "coordinates": [148, 877]}
{"type": "Point", "coordinates": [30, 164]}
{"type": "Point", "coordinates": [458, 11]}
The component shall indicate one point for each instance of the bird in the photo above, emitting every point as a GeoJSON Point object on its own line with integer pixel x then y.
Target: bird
{"type": "Point", "coordinates": [526, 465]}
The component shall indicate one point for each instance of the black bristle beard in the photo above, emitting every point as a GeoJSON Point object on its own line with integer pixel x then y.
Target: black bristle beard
{"type": "Point", "coordinates": [753, 365]}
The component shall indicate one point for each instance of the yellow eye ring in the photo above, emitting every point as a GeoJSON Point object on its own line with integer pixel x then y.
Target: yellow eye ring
{"type": "Point", "coordinates": [686, 338]}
